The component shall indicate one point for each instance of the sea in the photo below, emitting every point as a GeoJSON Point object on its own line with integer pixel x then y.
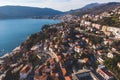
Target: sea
{"type": "Point", "coordinates": [15, 31]}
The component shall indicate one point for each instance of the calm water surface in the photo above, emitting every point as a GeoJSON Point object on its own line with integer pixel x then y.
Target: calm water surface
{"type": "Point", "coordinates": [14, 32]}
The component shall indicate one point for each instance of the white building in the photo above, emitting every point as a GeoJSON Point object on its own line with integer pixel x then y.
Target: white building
{"type": "Point", "coordinates": [106, 74]}
{"type": "Point", "coordinates": [110, 55]}
{"type": "Point", "coordinates": [36, 47]}
{"type": "Point", "coordinates": [100, 60]}
{"type": "Point", "coordinates": [77, 49]}
{"type": "Point", "coordinates": [115, 31]}
{"type": "Point", "coordinates": [84, 74]}
{"type": "Point", "coordinates": [118, 64]}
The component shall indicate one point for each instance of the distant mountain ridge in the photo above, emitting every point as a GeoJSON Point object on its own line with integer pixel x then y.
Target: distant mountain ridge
{"type": "Point", "coordinates": [90, 6]}
{"type": "Point", "coordinates": [34, 12]}
{"type": "Point", "coordinates": [95, 8]}
{"type": "Point", "coordinates": [86, 7]}
{"type": "Point", "coordinates": [26, 12]}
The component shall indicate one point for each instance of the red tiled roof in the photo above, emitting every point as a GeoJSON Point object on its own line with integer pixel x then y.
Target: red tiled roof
{"type": "Point", "coordinates": [105, 71]}
{"type": "Point", "coordinates": [25, 69]}
{"type": "Point", "coordinates": [67, 78]}
{"type": "Point", "coordinates": [77, 46]}
{"type": "Point", "coordinates": [43, 77]}
{"type": "Point", "coordinates": [64, 71]}
{"type": "Point", "coordinates": [41, 68]}
{"type": "Point", "coordinates": [59, 57]}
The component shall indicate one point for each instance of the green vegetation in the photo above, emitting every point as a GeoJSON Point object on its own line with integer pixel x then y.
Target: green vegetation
{"type": "Point", "coordinates": [34, 39]}
{"type": "Point", "coordinates": [34, 59]}
{"type": "Point", "coordinates": [38, 37]}
{"type": "Point", "coordinates": [16, 75]}
{"type": "Point", "coordinates": [45, 27]}
{"type": "Point", "coordinates": [112, 65]}
{"type": "Point", "coordinates": [116, 44]}
{"type": "Point", "coordinates": [110, 21]}
{"type": "Point", "coordinates": [95, 40]}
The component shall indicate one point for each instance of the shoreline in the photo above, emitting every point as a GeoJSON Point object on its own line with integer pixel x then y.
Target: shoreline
{"type": "Point", "coordinates": [7, 53]}
{"type": "Point", "coordinates": [10, 53]}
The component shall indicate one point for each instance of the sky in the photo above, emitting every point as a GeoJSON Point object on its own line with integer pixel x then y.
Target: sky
{"type": "Point", "coordinates": [62, 5]}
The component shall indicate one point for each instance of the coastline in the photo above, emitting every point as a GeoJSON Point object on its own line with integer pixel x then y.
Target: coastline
{"type": "Point", "coordinates": [10, 53]}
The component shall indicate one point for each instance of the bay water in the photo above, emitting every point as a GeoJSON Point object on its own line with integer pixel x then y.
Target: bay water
{"type": "Point", "coordinates": [14, 31]}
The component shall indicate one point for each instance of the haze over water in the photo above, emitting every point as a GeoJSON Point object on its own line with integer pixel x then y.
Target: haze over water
{"type": "Point", "coordinates": [14, 32]}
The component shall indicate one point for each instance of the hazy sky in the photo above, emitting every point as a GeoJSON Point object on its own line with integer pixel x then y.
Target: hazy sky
{"type": "Point", "coordinates": [63, 5]}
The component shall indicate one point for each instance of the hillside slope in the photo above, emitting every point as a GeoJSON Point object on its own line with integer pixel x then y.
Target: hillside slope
{"type": "Point", "coordinates": [25, 12]}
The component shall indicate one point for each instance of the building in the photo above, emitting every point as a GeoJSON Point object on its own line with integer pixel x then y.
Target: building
{"type": "Point", "coordinates": [100, 60]}
{"type": "Point", "coordinates": [85, 60]}
{"type": "Point", "coordinates": [97, 26]}
{"type": "Point", "coordinates": [67, 78]}
{"type": "Point", "coordinates": [77, 49]}
{"type": "Point", "coordinates": [100, 52]}
{"type": "Point", "coordinates": [2, 72]}
{"type": "Point", "coordinates": [84, 75]}
{"type": "Point", "coordinates": [104, 28]}
{"type": "Point", "coordinates": [110, 55]}
{"type": "Point", "coordinates": [25, 71]}
{"type": "Point", "coordinates": [115, 31]}
{"type": "Point", "coordinates": [2, 76]}
{"type": "Point", "coordinates": [118, 64]}
{"type": "Point", "coordinates": [64, 72]}
{"type": "Point", "coordinates": [34, 48]}
{"type": "Point", "coordinates": [47, 71]}
{"type": "Point", "coordinates": [87, 23]}
{"type": "Point", "coordinates": [106, 74]}
{"type": "Point", "coordinates": [2, 69]}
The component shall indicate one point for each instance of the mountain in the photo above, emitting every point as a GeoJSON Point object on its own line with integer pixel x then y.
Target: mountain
{"type": "Point", "coordinates": [95, 8]}
{"type": "Point", "coordinates": [89, 6]}
{"type": "Point", "coordinates": [26, 12]}
{"type": "Point", "coordinates": [34, 12]}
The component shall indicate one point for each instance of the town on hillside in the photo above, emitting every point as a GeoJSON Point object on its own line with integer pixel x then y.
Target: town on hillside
{"type": "Point", "coordinates": [78, 48]}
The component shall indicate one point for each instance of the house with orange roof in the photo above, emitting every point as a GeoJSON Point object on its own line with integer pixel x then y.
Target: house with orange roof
{"type": "Point", "coordinates": [77, 49]}
{"type": "Point", "coordinates": [25, 71]}
{"type": "Point", "coordinates": [100, 52]}
{"type": "Point", "coordinates": [39, 70]}
{"type": "Point", "coordinates": [42, 77]}
{"type": "Point", "coordinates": [67, 78]}
{"type": "Point", "coordinates": [63, 71]}
{"type": "Point", "coordinates": [59, 57]}
{"type": "Point", "coordinates": [41, 73]}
